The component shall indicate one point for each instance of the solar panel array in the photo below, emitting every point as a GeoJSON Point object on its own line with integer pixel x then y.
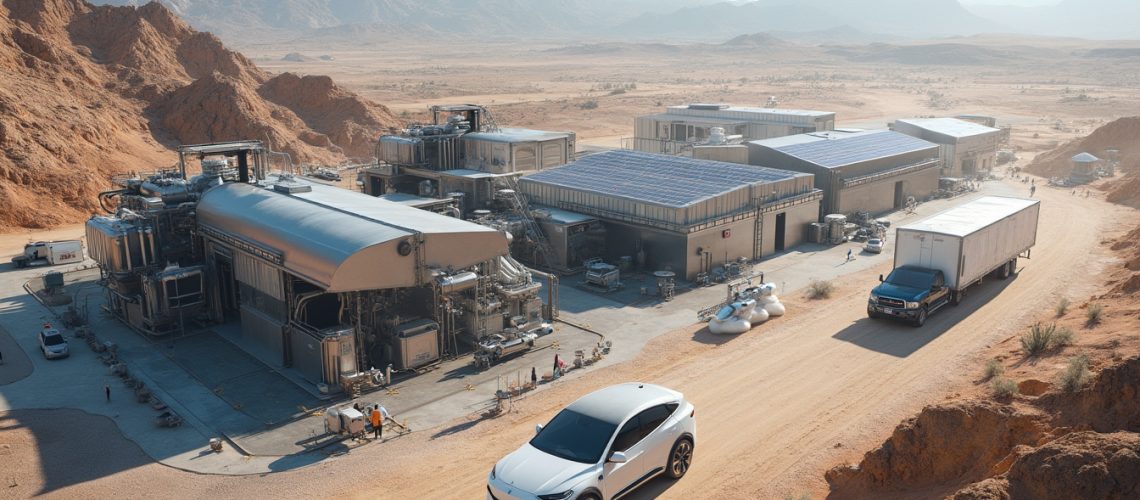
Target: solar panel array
{"type": "Point", "coordinates": [832, 153]}
{"type": "Point", "coordinates": [672, 181]}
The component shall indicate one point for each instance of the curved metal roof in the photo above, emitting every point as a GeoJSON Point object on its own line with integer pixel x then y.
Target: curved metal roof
{"type": "Point", "coordinates": [342, 240]}
{"type": "Point", "coordinates": [1085, 158]}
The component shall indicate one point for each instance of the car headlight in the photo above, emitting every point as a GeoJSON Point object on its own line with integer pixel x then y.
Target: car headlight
{"type": "Point", "coordinates": [557, 496]}
{"type": "Point", "coordinates": [912, 305]}
{"type": "Point", "coordinates": [874, 297]}
{"type": "Point", "coordinates": [493, 467]}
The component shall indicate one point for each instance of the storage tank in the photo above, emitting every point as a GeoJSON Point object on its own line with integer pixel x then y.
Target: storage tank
{"type": "Point", "coordinates": [836, 224]}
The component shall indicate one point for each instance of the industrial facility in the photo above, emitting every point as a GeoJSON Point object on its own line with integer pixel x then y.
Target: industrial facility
{"type": "Point", "coordinates": [679, 214]}
{"type": "Point", "coordinates": [333, 284]}
{"type": "Point", "coordinates": [873, 171]}
{"type": "Point", "coordinates": [967, 149]}
{"type": "Point", "coordinates": [680, 128]}
{"type": "Point", "coordinates": [462, 155]}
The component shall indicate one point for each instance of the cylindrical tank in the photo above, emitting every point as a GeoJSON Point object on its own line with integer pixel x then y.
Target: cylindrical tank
{"type": "Point", "coordinates": [835, 227]}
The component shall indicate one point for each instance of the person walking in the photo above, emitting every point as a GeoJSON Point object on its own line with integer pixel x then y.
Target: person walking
{"type": "Point", "coordinates": [557, 363]}
{"type": "Point", "coordinates": [533, 377]}
{"type": "Point", "coordinates": [849, 255]}
{"type": "Point", "coordinates": [107, 392]}
{"type": "Point", "coordinates": [377, 422]}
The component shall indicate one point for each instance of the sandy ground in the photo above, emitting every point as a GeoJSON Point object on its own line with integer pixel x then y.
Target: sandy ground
{"type": "Point", "coordinates": [776, 406]}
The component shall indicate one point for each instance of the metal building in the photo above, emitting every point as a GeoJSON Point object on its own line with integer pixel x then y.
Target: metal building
{"type": "Point", "coordinates": [680, 128]}
{"type": "Point", "coordinates": [968, 149]}
{"type": "Point", "coordinates": [679, 213]}
{"type": "Point", "coordinates": [873, 171]}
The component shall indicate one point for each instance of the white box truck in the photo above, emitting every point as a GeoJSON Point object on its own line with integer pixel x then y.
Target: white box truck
{"type": "Point", "coordinates": [936, 259]}
{"type": "Point", "coordinates": [50, 253]}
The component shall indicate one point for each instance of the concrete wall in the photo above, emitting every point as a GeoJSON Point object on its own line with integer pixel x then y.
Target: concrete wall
{"type": "Point", "coordinates": [739, 242]}
{"type": "Point", "coordinates": [736, 153]}
{"type": "Point", "coordinates": [982, 149]}
{"type": "Point", "coordinates": [879, 196]}
{"type": "Point", "coordinates": [795, 231]}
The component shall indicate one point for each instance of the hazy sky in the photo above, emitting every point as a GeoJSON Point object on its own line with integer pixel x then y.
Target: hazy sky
{"type": "Point", "coordinates": [1009, 2]}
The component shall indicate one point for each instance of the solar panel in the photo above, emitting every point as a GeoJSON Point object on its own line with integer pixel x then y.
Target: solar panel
{"type": "Point", "coordinates": [672, 181]}
{"type": "Point", "coordinates": [856, 148]}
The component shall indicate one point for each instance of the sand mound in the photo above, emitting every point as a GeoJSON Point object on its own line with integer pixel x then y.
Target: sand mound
{"type": "Point", "coordinates": [1124, 191]}
{"type": "Point", "coordinates": [1086, 448]}
{"type": "Point", "coordinates": [89, 91]}
{"type": "Point", "coordinates": [1119, 134]}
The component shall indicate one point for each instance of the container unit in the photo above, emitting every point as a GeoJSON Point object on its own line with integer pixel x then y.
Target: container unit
{"type": "Point", "coordinates": [971, 240]}
{"type": "Point", "coordinates": [515, 150]}
{"type": "Point", "coordinates": [415, 344]}
{"type": "Point", "coordinates": [686, 125]}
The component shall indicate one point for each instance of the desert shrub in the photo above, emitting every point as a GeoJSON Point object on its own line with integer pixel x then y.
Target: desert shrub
{"type": "Point", "coordinates": [1076, 375]}
{"type": "Point", "coordinates": [1062, 307]}
{"type": "Point", "coordinates": [1039, 339]}
{"type": "Point", "coordinates": [591, 104]}
{"type": "Point", "coordinates": [617, 91]}
{"type": "Point", "coordinates": [994, 369]}
{"type": "Point", "coordinates": [1093, 315]}
{"type": "Point", "coordinates": [1062, 337]}
{"type": "Point", "coordinates": [1003, 387]}
{"type": "Point", "coordinates": [820, 289]}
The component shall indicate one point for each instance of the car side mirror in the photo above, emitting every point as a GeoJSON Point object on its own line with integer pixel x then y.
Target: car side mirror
{"type": "Point", "coordinates": [618, 457]}
{"type": "Point", "coordinates": [538, 428]}
{"type": "Point", "coordinates": [880, 278]}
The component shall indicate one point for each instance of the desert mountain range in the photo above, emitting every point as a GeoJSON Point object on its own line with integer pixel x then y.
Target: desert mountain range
{"type": "Point", "coordinates": [661, 20]}
{"type": "Point", "coordinates": [89, 91]}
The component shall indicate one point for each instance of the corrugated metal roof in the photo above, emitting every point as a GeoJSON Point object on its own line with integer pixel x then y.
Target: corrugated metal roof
{"type": "Point", "coordinates": [343, 240]}
{"type": "Point", "coordinates": [1085, 158]}
{"type": "Point", "coordinates": [833, 150]}
{"type": "Point", "coordinates": [757, 110]}
{"type": "Point", "coordinates": [970, 217]}
{"type": "Point", "coordinates": [560, 216]}
{"type": "Point", "coordinates": [671, 181]}
{"type": "Point", "coordinates": [952, 127]}
{"type": "Point", "coordinates": [516, 135]}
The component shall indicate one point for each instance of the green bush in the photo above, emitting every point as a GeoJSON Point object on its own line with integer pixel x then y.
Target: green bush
{"type": "Point", "coordinates": [820, 289]}
{"type": "Point", "coordinates": [1003, 388]}
{"type": "Point", "coordinates": [1093, 315]}
{"type": "Point", "coordinates": [1076, 375]}
{"type": "Point", "coordinates": [1062, 337]}
{"type": "Point", "coordinates": [1039, 339]}
{"type": "Point", "coordinates": [591, 104]}
{"type": "Point", "coordinates": [1062, 307]}
{"type": "Point", "coordinates": [994, 369]}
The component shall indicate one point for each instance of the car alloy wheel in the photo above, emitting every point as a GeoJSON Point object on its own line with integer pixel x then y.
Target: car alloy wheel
{"type": "Point", "coordinates": [681, 458]}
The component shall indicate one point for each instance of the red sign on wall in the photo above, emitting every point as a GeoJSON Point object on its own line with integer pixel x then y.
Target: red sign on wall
{"type": "Point", "coordinates": [726, 234]}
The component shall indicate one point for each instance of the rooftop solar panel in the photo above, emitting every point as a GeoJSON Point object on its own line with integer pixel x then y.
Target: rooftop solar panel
{"type": "Point", "coordinates": [855, 148]}
{"type": "Point", "coordinates": [672, 181]}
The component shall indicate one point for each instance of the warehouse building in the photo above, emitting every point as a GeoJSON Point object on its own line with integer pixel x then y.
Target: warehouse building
{"type": "Point", "coordinates": [680, 128]}
{"type": "Point", "coordinates": [873, 171]}
{"type": "Point", "coordinates": [968, 149]}
{"type": "Point", "coordinates": [678, 213]}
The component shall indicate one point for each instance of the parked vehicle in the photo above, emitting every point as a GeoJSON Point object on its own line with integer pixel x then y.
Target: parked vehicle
{"type": "Point", "coordinates": [601, 446]}
{"type": "Point", "coordinates": [52, 343]}
{"type": "Point", "coordinates": [50, 253]}
{"type": "Point", "coordinates": [938, 258]}
{"type": "Point", "coordinates": [873, 245]}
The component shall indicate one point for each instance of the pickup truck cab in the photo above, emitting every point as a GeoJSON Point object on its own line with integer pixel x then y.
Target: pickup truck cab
{"type": "Point", "coordinates": [911, 293]}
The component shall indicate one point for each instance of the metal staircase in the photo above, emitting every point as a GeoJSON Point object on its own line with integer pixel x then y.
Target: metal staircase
{"type": "Point", "coordinates": [521, 206]}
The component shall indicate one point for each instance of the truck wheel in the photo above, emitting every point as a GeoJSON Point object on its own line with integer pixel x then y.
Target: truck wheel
{"type": "Point", "coordinates": [921, 319]}
{"type": "Point", "coordinates": [955, 297]}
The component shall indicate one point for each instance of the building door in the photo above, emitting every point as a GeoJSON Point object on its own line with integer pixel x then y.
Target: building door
{"type": "Point", "coordinates": [781, 227]}
{"type": "Point", "coordinates": [899, 198]}
{"type": "Point", "coordinates": [375, 185]}
{"type": "Point", "coordinates": [227, 287]}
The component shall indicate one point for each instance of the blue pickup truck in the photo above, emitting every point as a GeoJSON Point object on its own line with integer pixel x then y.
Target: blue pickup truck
{"type": "Point", "coordinates": [910, 293]}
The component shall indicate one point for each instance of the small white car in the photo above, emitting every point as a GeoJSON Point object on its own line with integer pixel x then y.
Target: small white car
{"type": "Point", "coordinates": [874, 245]}
{"type": "Point", "coordinates": [602, 446]}
{"type": "Point", "coordinates": [52, 343]}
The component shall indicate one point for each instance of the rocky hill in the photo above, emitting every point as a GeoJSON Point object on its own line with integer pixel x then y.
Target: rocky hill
{"type": "Point", "coordinates": [88, 91]}
{"type": "Point", "coordinates": [1119, 134]}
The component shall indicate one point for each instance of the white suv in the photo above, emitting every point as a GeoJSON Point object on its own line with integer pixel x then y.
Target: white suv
{"type": "Point", "coordinates": [602, 446]}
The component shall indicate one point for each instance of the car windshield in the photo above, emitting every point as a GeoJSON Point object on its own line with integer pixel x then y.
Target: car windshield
{"type": "Point", "coordinates": [53, 339]}
{"type": "Point", "coordinates": [574, 436]}
{"type": "Point", "coordinates": [873, 241]}
{"type": "Point", "coordinates": [910, 279]}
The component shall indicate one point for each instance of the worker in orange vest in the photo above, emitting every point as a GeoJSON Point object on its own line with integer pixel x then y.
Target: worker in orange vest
{"type": "Point", "coordinates": [377, 422]}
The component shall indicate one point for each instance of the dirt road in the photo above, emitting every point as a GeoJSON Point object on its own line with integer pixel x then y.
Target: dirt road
{"type": "Point", "coordinates": [776, 406]}
{"type": "Point", "coordinates": [780, 404]}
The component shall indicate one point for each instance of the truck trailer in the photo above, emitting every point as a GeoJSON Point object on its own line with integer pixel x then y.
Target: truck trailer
{"type": "Point", "coordinates": [936, 259]}
{"type": "Point", "coordinates": [50, 253]}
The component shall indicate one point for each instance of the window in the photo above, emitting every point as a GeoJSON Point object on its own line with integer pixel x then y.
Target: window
{"type": "Point", "coordinates": [574, 436]}
{"type": "Point", "coordinates": [652, 418]}
{"type": "Point", "coordinates": [629, 435]}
